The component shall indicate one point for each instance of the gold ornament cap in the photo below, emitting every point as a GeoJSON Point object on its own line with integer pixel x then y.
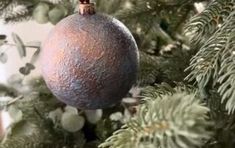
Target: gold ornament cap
{"type": "Point", "coordinates": [86, 8]}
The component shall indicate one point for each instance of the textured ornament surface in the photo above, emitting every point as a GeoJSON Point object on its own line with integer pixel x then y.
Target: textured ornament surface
{"type": "Point", "coordinates": [89, 61]}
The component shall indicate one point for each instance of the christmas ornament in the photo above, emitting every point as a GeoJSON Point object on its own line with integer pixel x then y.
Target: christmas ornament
{"type": "Point", "coordinates": [57, 13]}
{"type": "Point", "coordinates": [93, 116]}
{"type": "Point", "coordinates": [89, 60]}
{"type": "Point", "coordinates": [72, 122]}
{"type": "Point", "coordinates": [40, 13]}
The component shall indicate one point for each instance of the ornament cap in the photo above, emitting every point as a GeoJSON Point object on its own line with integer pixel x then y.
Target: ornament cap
{"type": "Point", "coordinates": [86, 8]}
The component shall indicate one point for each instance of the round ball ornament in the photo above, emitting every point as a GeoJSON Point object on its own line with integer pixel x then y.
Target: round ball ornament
{"type": "Point", "coordinates": [89, 60]}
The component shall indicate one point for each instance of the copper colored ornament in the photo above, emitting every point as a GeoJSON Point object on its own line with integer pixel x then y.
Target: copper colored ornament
{"type": "Point", "coordinates": [89, 60]}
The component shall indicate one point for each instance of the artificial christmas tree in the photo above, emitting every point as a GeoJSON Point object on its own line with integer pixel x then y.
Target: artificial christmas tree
{"type": "Point", "coordinates": [175, 103]}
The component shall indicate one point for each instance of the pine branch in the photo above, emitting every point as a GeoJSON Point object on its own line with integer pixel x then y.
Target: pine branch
{"type": "Point", "coordinates": [27, 135]}
{"type": "Point", "coordinates": [15, 12]}
{"type": "Point", "coordinates": [206, 23]}
{"type": "Point", "coordinates": [227, 71]}
{"type": "Point", "coordinates": [178, 2]}
{"type": "Point", "coordinates": [107, 6]}
{"type": "Point", "coordinates": [54, 1]}
{"type": "Point", "coordinates": [35, 129]}
{"type": "Point", "coordinates": [15, 19]}
{"type": "Point", "coordinates": [173, 121]}
{"type": "Point", "coordinates": [175, 58]}
{"type": "Point", "coordinates": [149, 71]}
{"type": "Point", "coordinates": [159, 90]}
{"type": "Point", "coordinates": [4, 3]}
{"type": "Point", "coordinates": [215, 61]}
{"type": "Point", "coordinates": [8, 8]}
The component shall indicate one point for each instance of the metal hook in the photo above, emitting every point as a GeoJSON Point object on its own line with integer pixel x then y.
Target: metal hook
{"type": "Point", "coordinates": [85, 1]}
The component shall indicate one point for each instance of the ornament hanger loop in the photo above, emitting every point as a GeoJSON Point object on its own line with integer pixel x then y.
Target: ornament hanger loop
{"type": "Point", "coordinates": [85, 1]}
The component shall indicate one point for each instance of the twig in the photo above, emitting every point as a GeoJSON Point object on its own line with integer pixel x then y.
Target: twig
{"type": "Point", "coordinates": [163, 35]}
{"type": "Point", "coordinates": [27, 46]}
{"type": "Point", "coordinates": [14, 100]}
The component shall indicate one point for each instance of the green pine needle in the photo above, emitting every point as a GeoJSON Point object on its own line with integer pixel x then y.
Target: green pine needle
{"type": "Point", "coordinates": [203, 25]}
{"type": "Point", "coordinates": [215, 60]}
{"type": "Point", "coordinates": [172, 121]}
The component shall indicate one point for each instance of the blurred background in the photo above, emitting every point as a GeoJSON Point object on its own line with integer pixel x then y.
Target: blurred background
{"type": "Point", "coordinates": [29, 31]}
{"type": "Point", "coordinates": [183, 96]}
